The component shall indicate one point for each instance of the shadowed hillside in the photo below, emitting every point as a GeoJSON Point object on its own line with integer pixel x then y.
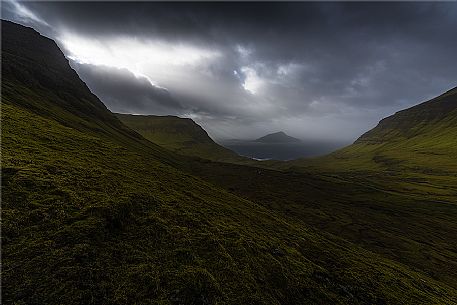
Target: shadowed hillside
{"type": "Point", "coordinates": [36, 76]}
{"type": "Point", "coordinates": [95, 214]}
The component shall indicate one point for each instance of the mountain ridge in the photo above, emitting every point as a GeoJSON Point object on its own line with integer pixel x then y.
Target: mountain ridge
{"type": "Point", "coordinates": [38, 75]}
{"type": "Point", "coordinates": [181, 135]}
{"type": "Point", "coordinates": [414, 148]}
{"type": "Point", "coordinates": [405, 122]}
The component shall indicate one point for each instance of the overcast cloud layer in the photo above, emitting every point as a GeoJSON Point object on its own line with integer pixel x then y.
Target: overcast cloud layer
{"type": "Point", "coordinates": [241, 70]}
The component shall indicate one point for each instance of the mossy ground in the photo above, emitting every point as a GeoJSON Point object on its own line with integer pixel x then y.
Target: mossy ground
{"type": "Point", "coordinates": [86, 220]}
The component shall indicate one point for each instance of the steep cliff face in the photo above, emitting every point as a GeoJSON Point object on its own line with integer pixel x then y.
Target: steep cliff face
{"type": "Point", "coordinates": [33, 64]}
{"type": "Point", "coordinates": [36, 76]}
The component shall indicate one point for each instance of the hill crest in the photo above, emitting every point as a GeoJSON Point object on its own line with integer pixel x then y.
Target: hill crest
{"type": "Point", "coordinates": [415, 121]}
{"type": "Point", "coordinates": [181, 135]}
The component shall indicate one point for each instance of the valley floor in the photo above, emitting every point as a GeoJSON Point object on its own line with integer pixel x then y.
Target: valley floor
{"type": "Point", "coordinates": [89, 220]}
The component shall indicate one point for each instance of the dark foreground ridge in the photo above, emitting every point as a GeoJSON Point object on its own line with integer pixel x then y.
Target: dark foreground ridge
{"type": "Point", "coordinates": [93, 213]}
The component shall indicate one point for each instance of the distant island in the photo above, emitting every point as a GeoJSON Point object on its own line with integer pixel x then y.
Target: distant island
{"type": "Point", "coordinates": [280, 146]}
{"type": "Point", "coordinates": [277, 137]}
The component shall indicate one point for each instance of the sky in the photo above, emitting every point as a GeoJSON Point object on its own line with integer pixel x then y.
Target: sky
{"type": "Point", "coordinates": [316, 70]}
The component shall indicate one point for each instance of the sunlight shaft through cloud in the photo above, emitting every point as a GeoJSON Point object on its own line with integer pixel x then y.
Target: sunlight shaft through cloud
{"type": "Point", "coordinates": [133, 54]}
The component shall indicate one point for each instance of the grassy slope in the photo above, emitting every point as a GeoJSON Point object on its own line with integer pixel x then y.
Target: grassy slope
{"type": "Point", "coordinates": [410, 154]}
{"type": "Point", "coordinates": [33, 66]}
{"type": "Point", "coordinates": [393, 192]}
{"type": "Point", "coordinates": [420, 140]}
{"type": "Point", "coordinates": [98, 215]}
{"type": "Point", "coordinates": [180, 135]}
{"type": "Point", "coordinates": [415, 231]}
{"type": "Point", "coordinates": [89, 221]}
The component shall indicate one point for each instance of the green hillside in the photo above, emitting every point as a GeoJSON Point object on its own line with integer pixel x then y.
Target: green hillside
{"type": "Point", "coordinates": [36, 76]}
{"type": "Point", "coordinates": [181, 135]}
{"type": "Point", "coordinates": [421, 138]}
{"type": "Point", "coordinates": [411, 151]}
{"type": "Point", "coordinates": [93, 213]}
{"type": "Point", "coordinates": [394, 191]}
{"type": "Point", "coordinates": [415, 229]}
{"type": "Point", "coordinates": [88, 221]}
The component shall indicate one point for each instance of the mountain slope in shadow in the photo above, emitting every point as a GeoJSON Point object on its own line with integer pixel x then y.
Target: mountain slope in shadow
{"type": "Point", "coordinates": [394, 191]}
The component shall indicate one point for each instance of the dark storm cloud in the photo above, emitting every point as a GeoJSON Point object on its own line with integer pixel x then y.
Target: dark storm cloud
{"type": "Point", "coordinates": [124, 92]}
{"type": "Point", "coordinates": [313, 67]}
